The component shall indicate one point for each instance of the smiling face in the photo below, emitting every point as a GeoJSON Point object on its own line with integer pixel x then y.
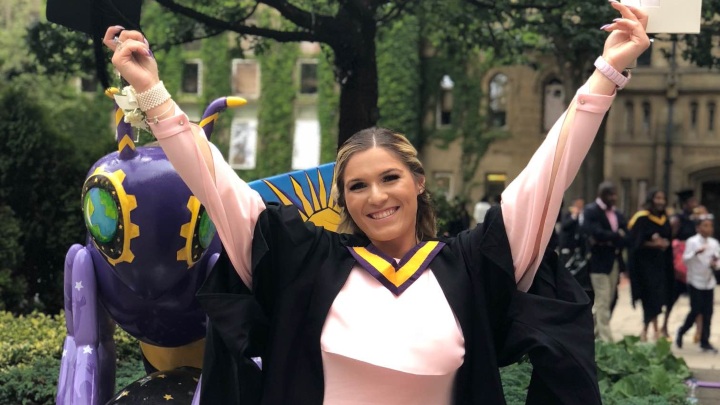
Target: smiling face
{"type": "Point", "coordinates": [381, 196]}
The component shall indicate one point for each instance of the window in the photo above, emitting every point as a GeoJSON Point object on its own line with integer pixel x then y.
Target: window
{"type": "Point", "coordinates": [89, 84]}
{"type": "Point", "coordinates": [693, 115]}
{"type": "Point", "coordinates": [642, 190]}
{"type": "Point", "coordinates": [647, 115]}
{"type": "Point", "coordinates": [308, 77]}
{"type": "Point", "coordinates": [498, 100]}
{"type": "Point", "coordinates": [246, 78]}
{"type": "Point", "coordinates": [306, 144]}
{"type": "Point", "coordinates": [445, 103]}
{"type": "Point", "coordinates": [625, 195]}
{"type": "Point", "coordinates": [711, 116]}
{"type": "Point", "coordinates": [243, 144]}
{"type": "Point", "coordinates": [309, 48]}
{"type": "Point", "coordinates": [629, 118]}
{"type": "Point", "coordinates": [495, 185]}
{"type": "Point", "coordinates": [553, 103]}
{"type": "Point", "coordinates": [192, 77]}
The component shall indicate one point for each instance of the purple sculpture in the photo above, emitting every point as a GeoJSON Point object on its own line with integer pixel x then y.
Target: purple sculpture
{"type": "Point", "coordinates": [150, 245]}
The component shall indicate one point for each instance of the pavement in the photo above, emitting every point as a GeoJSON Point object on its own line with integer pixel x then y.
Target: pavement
{"type": "Point", "coordinates": [627, 320]}
{"type": "Point", "coordinates": [705, 367]}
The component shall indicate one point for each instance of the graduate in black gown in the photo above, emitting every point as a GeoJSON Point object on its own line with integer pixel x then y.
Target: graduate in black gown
{"type": "Point", "coordinates": [651, 268]}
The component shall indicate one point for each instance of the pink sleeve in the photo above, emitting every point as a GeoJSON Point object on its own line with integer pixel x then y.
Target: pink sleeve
{"type": "Point", "coordinates": [231, 204]}
{"type": "Point", "coordinates": [530, 204]}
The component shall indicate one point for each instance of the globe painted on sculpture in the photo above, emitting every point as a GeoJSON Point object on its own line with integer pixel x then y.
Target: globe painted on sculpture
{"type": "Point", "coordinates": [101, 214]}
{"type": "Point", "coordinates": [206, 230]}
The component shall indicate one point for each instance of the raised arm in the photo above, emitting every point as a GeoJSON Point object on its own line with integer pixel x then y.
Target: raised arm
{"type": "Point", "coordinates": [530, 202]}
{"type": "Point", "coordinates": [231, 204]}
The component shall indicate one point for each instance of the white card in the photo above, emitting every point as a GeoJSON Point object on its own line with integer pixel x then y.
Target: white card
{"type": "Point", "coordinates": [670, 16]}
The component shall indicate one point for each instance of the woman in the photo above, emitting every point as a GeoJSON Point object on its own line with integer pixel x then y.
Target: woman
{"type": "Point", "coordinates": [384, 314]}
{"type": "Point", "coordinates": [651, 268]}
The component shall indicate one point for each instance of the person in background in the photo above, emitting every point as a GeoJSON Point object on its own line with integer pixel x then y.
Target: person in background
{"type": "Point", "coordinates": [683, 227]}
{"type": "Point", "coordinates": [702, 257]}
{"type": "Point", "coordinates": [605, 228]}
{"type": "Point", "coordinates": [481, 208]}
{"type": "Point", "coordinates": [572, 249]}
{"type": "Point", "coordinates": [461, 218]}
{"type": "Point", "coordinates": [570, 235]}
{"type": "Point", "coordinates": [651, 267]}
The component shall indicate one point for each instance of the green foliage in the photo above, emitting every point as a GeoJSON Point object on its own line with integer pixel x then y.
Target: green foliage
{"type": "Point", "coordinates": [40, 177]}
{"type": "Point", "coordinates": [631, 370]}
{"type": "Point", "coordinates": [30, 384]}
{"type": "Point", "coordinates": [629, 373]}
{"type": "Point", "coordinates": [515, 381]}
{"type": "Point", "coordinates": [30, 352]}
{"type": "Point", "coordinates": [398, 61]}
{"type": "Point", "coordinates": [469, 123]}
{"type": "Point", "coordinates": [328, 101]}
{"type": "Point", "coordinates": [701, 48]}
{"type": "Point", "coordinates": [217, 68]}
{"type": "Point", "coordinates": [12, 291]}
{"type": "Point", "coordinates": [276, 122]}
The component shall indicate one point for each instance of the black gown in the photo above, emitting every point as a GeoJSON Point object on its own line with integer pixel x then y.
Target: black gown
{"type": "Point", "coordinates": [651, 270]}
{"type": "Point", "coordinates": [298, 270]}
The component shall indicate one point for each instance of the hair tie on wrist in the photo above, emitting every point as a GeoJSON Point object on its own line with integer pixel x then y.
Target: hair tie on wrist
{"type": "Point", "coordinates": [156, 119]}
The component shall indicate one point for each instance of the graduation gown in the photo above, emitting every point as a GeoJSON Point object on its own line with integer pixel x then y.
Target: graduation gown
{"type": "Point", "coordinates": [652, 272]}
{"type": "Point", "coordinates": [298, 270]}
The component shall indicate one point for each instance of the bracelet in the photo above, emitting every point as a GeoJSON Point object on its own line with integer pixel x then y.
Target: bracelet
{"type": "Point", "coordinates": [156, 119]}
{"type": "Point", "coordinates": [152, 97]}
{"type": "Point", "coordinates": [620, 79]}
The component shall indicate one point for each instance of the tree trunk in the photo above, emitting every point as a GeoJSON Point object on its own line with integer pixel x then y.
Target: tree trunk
{"type": "Point", "coordinates": [358, 76]}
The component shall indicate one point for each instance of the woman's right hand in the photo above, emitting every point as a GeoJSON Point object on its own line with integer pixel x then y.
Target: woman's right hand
{"type": "Point", "coordinates": [132, 57]}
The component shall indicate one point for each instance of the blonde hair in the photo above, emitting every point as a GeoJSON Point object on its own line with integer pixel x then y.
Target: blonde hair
{"type": "Point", "coordinates": [398, 145]}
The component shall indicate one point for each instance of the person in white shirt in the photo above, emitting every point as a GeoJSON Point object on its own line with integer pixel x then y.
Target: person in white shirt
{"type": "Point", "coordinates": [702, 257]}
{"type": "Point", "coordinates": [480, 209]}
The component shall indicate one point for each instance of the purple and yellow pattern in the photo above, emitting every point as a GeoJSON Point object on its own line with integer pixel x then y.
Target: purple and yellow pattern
{"type": "Point", "coordinates": [397, 276]}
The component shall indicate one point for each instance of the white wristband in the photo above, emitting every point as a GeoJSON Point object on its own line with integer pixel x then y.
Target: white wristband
{"type": "Point", "coordinates": [152, 97]}
{"type": "Point", "coordinates": [613, 75]}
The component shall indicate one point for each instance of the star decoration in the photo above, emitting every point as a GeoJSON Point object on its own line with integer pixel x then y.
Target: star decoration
{"type": "Point", "coordinates": [87, 350]}
{"type": "Point", "coordinates": [161, 376]}
{"type": "Point", "coordinates": [123, 394]}
{"type": "Point", "coordinates": [64, 353]}
{"type": "Point", "coordinates": [79, 286]}
{"type": "Point", "coordinates": [145, 380]}
{"type": "Point", "coordinates": [168, 397]}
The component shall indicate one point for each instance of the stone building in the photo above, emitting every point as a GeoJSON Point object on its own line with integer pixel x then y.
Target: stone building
{"type": "Point", "coordinates": [630, 148]}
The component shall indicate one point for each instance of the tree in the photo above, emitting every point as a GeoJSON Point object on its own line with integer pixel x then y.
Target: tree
{"type": "Point", "coordinates": [701, 48]}
{"type": "Point", "coordinates": [348, 27]}
{"type": "Point", "coordinates": [12, 289]}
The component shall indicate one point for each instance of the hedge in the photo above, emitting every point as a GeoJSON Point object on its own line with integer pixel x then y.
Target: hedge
{"type": "Point", "coordinates": [629, 372]}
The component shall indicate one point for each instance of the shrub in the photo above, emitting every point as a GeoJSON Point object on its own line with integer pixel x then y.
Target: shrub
{"type": "Point", "coordinates": [629, 373]}
{"type": "Point", "coordinates": [30, 351]}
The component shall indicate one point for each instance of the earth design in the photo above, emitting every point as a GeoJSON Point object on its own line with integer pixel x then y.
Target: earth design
{"type": "Point", "coordinates": [101, 214]}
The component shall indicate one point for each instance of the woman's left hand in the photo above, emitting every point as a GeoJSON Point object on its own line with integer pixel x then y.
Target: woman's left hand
{"type": "Point", "coordinates": [627, 40]}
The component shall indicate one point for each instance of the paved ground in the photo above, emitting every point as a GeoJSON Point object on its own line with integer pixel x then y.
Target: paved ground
{"type": "Point", "coordinates": [627, 320]}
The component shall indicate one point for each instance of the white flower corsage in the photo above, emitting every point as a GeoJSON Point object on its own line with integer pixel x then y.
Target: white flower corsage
{"type": "Point", "coordinates": [127, 101]}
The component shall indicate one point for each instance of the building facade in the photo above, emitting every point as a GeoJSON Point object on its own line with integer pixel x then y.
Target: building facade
{"type": "Point", "coordinates": [631, 147]}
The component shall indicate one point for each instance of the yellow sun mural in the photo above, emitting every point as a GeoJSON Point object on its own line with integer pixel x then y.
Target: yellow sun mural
{"type": "Point", "coordinates": [314, 202]}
